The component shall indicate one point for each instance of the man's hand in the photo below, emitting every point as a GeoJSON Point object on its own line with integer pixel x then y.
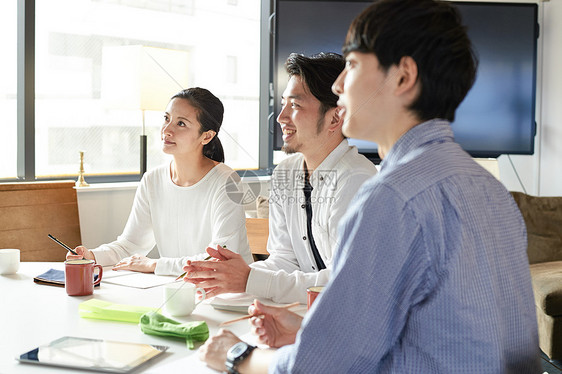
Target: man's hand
{"type": "Point", "coordinates": [213, 352]}
{"type": "Point", "coordinates": [136, 263]}
{"type": "Point", "coordinates": [83, 252]}
{"type": "Point", "coordinates": [227, 272]}
{"type": "Point", "coordinates": [274, 326]}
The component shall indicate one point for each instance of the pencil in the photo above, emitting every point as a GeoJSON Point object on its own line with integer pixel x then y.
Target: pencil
{"type": "Point", "coordinates": [184, 273]}
{"type": "Point", "coordinates": [63, 245]}
{"type": "Point", "coordinates": [250, 316]}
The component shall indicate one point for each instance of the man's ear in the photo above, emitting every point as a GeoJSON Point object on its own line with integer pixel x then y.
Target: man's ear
{"type": "Point", "coordinates": [208, 136]}
{"type": "Point", "coordinates": [407, 77]}
{"type": "Point", "coordinates": [336, 120]}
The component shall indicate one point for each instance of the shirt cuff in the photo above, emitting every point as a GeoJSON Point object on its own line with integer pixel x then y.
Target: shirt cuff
{"type": "Point", "coordinates": [164, 266]}
{"type": "Point", "coordinates": [104, 258]}
{"type": "Point", "coordinates": [259, 282]}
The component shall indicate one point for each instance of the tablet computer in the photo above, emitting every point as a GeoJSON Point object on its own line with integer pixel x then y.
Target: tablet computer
{"type": "Point", "coordinates": [93, 354]}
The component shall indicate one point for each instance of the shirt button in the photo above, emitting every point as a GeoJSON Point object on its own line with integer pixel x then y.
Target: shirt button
{"type": "Point", "coordinates": [313, 268]}
{"type": "Point", "coordinates": [304, 238]}
{"type": "Point", "coordinates": [303, 206]}
{"type": "Point", "coordinates": [321, 178]}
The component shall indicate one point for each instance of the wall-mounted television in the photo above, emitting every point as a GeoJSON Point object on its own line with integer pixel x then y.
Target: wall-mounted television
{"type": "Point", "coordinates": [497, 116]}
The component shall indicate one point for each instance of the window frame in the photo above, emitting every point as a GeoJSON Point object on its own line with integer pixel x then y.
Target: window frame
{"type": "Point", "coordinates": [26, 102]}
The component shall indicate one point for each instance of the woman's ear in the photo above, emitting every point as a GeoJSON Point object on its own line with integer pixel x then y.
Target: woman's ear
{"type": "Point", "coordinates": [208, 136]}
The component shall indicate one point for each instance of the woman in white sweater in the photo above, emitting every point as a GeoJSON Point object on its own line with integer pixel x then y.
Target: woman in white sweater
{"type": "Point", "coordinates": [185, 206]}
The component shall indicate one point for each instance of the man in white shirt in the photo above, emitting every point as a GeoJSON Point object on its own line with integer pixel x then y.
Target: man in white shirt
{"type": "Point", "coordinates": [311, 191]}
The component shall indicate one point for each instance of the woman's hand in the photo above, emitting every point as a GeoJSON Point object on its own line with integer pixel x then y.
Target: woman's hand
{"type": "Point", "coordinates": [138, 263]}
{"type": "Point", "coordinates": [83, 252]}
{"type": "Point", "coordinates": [274, 326]}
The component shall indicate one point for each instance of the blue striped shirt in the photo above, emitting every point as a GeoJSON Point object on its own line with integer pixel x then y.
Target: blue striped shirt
{"type": "Point", "coordinates": [431, 274]}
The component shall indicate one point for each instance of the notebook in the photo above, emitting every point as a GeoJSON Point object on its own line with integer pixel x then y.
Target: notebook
{"type": "Point", "coordinates": [53, 277]}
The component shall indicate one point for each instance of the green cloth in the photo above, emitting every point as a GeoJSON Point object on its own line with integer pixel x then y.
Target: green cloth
{"type": "Point", "coordinates": [99, 309]}
{"type": "Point", "coordinates": [153, 323]}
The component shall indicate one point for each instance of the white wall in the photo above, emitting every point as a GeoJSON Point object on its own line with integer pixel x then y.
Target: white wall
{"type": "Point", "coordinates": [550, 178]}
{"type": "Point", "coordinates": [103, 210]}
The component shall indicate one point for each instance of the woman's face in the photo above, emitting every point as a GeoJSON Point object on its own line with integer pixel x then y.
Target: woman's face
{"type": "Point", "coordinates": [181, 130]}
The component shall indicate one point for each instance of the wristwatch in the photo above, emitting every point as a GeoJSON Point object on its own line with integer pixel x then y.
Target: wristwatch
{"type": "Point", "coordinates": [236, 354]}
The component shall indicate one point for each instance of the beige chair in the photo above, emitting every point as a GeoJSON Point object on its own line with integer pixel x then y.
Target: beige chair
{"type": "Point", "coordinates": [30, 211]}
{"type": "Point", "coordinates": [258, 233]}
{"type": "Point", "coordinates": [543, 218]}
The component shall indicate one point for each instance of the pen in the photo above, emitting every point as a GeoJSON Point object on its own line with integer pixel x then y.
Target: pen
{"type": "Point", "coordinates": [183, 275]}
{"type": "Point", "coordinates": [250, 316]}
{"type": "Point", "coordinates": [63, 245]}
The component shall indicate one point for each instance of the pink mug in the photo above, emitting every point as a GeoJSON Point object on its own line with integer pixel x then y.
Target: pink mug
{"type": "Point", "coordinates": [79, 277]}
{"type": "Point", "coordinates": [312, 293]}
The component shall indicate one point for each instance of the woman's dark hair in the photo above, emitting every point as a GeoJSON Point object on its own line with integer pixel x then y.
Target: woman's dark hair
{"type": "Point", "coordinates": [431, 33]}
{"type": "Point", "coordinates": [209, 114]}
{"type": "Point", "coordinates": [318, 72]}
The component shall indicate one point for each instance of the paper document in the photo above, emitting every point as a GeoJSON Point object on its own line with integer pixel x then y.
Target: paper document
{"type": "Point", "coordinates": [138, 280]}
{"type": "Point", "coordinates": [108, 272]}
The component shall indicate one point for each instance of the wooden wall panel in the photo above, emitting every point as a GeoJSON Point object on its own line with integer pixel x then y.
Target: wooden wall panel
{"type": "Point", "coordinates": [31, 211]}
{"type": "Point", "coordinates": [36, 196]}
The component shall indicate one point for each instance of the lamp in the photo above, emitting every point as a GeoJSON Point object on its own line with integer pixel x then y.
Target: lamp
{"type": "Point", "coordinates": [140, 77]}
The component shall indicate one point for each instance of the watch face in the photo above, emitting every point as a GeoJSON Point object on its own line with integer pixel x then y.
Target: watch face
{"type": "Point", "coordinates": [237, 349]}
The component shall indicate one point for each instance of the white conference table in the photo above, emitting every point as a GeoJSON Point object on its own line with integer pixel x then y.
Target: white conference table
{"type": "Point", "coordinates": [32, 314]}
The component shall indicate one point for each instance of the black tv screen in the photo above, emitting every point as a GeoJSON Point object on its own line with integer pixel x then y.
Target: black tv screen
{"type": "Point", "coordinates": [497, 116]}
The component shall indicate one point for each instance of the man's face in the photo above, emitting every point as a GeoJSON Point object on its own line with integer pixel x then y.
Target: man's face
{"type": "Point", "coordinates": [363, 94]}
{"type": "Point", "coordinates": [300, 118]}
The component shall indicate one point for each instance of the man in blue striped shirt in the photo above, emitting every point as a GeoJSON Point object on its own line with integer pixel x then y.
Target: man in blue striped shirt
{"type": "Point", "coordinates": [431, 274]}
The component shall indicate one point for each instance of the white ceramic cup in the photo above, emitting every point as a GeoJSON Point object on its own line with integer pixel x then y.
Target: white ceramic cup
{"type": "Point", "coordinates": [179, 298]}
{"type": "Point", "coordinates": [9, 261]}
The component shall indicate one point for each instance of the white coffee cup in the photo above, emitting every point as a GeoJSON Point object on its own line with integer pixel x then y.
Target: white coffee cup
{"type": "Point", "coordinates": [9, 261]}
{"type": "Point", "coordinates": [179, 298]}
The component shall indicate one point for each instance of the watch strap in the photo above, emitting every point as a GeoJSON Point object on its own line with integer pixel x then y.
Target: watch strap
{"type": "Point", "coordinates": [232, 362]}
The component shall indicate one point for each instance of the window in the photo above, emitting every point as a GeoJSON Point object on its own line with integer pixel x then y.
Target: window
{"type": "Point", "coordinates": [8, 89]}
{"type": "Point", "coordinates": [231, 69]}
{"type": "Point", "coordinates": [176, 6]}
{"type": "Point", "coordinates": [92, 93]}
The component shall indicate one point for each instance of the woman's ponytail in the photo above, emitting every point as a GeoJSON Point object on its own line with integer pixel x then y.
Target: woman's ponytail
{"type": "Point", "coordinates": [214, 150]}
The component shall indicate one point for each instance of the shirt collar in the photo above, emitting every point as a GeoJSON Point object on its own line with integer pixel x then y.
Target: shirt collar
{"type": "Point", "coordinates": [432, 131]}
{"type": "Point", "coordinates": [326, 167]}
{"type": "Point", "coordinates": [331, 160]}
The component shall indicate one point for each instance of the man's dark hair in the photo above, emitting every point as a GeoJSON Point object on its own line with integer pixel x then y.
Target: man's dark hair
{"type": "Point", "coordinates": [432, 34]}
{"type": "Point", "coordinates": [318, 72]}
